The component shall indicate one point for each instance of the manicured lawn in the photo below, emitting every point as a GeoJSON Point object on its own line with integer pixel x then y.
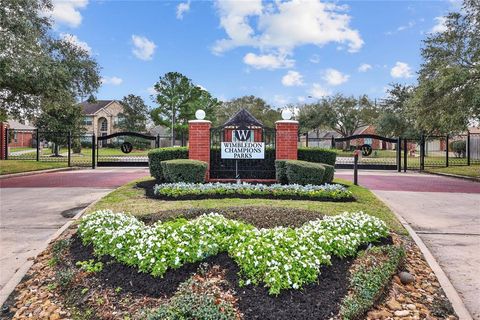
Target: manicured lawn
{"type": "Point", "coordinates": [16, 166]}
{"type": "Point", "coordinates": [16, 149]}
{"type": "Point", "coordinates": [130, 198]}
{"type": "Point", "coordinates": [113, 152]}
{"type": "Point", "coordinates": [468, 171]}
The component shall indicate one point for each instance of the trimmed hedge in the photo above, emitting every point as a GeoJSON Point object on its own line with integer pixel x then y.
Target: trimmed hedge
{"type": "Point", "coordinates": [156, 156]}
{"type": "Point", "coordinates": [303, 172]}
{"type": "Point", "coordinates": [329, 173]}
{"type": "Point", "coordinates": [318, 155]}
{"type": "Point", "coordinates": [281, 171]}
{"type": "Point", "coordinates": [184, 170]}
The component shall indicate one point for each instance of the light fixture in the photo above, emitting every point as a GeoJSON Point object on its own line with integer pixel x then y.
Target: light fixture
{"type": "Point", "coordinates": [200, 114]}
{"type": "Point", "coordinates": [286, 114]}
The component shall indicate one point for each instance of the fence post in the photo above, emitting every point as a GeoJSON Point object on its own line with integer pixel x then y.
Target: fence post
{"type": "Point", "coordinates": [157, 141]}
{"type": "Point", "coordinates": [93, 150]}
{"type": "Point", "coordinates": [446, 149]}
{"type": "Point", "coordinates": [468, 148]}
{"type": "Point", "coordinates": [355, 168]}
{"type": "Point", "coordinates": [7, 137]}
{"type": "Point", "coordinates": [422, 152]}
{"type": "Point", "coordinates": [37, 138]}
{"type": "Point", "coordinates": [69, 145]}
{"type": "Point", "coordinates": [399, 154]}
{"type": "Point", "coordinates": [405, 154]}
{"type": "Point", "coordinates": [333, 142]}
{"type": "Point", "coordinates": [306, 139]}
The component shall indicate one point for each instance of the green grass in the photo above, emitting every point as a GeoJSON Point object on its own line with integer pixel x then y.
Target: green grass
{"type": "Point", "coordinates": [113, 152]}
{"type": "Point", "coordinates": [467, 171]}
{"type": "Point", "coordinates": [16, 166]}
{"type": "Point", "coordinates": [132, 199]}
{"type": "Point", "coordinates": [16, 149]}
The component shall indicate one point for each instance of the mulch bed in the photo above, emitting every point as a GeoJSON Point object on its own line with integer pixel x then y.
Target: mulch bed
{"type": "Point", "coordinates": [315, 301]}
{"type": "Point", "coordinates": [148, 186]}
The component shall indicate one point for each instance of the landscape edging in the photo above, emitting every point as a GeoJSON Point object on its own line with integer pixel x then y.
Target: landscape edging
{"type": "Point", "coordinates": [450, 291]}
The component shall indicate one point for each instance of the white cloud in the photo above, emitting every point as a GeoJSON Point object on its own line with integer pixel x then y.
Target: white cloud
{"type": "Point", "coordinates": [268, 61]}
{"type": "Point", "coordinates": [115, 81]}
{"type": "Point", "coordinates": [364, 67]}
{"type": "Point", "coordinates": [292, 79]}
{"type": "Point", "coordinates": [68, 12]}
{"type": "Point", "coordinates": [315, 58]}
{"type": "Point", "coordinates": [318, 91]}
{"type": "Point", "coordinates": [410, 24]}
{"type": "Point", "coordinates": [335, 77]}
{"type": "Point", "coordinates": [73, 39]}
{"type": "Point", "coordinates": [280, 100]}
{"type": "Point", "coordinates": [301, 99]}
{"type": "Point", "coordinates": [142, 47]}
{"type": "Point", "coordinates": [401, 70]}
{"type": "Point", "coordinates": [278, 26]}
{"type": "Point", "coordinates": [182, 8]}
{"type": "Point", "coordinates": [440, 25]}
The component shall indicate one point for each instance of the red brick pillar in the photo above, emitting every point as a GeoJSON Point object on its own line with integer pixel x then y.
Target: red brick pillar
{"type": "Point", "coordinates": [199, 141]}
{"type": "Point", "coordinates": [286, 144]}
{"type": "Point", "coordinates": [3, 140]}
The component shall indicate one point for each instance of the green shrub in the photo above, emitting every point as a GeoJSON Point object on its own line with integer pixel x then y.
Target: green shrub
{"type": "Point", "coordinates": [303, 172]}
{"type": "Point", "coordinates": [459, 148]}
{"type": "Point", "coordinates": [329, 173]}
{"type": "Point", "coordinates": [370, 279]}
{"type": "Point", "coordinates": [318, 155]}
{"type": "Point", "coordinates": [281, 171]}
{"type": "Point", "coordinates": [156, 156]}
{"type": "Point", "coordinates": [184, 170]}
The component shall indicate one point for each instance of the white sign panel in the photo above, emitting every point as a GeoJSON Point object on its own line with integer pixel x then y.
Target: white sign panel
{"type": "Point", "coordinates": [243, 150]}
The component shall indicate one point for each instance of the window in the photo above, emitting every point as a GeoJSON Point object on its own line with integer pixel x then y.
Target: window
{"type": "Point", "coordinates": [103, 125]}
{"type": "Point", "coordinates": [87, 121]}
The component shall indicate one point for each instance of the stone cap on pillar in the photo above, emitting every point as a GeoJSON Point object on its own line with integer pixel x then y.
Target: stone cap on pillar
{"type": "Point", "coordinates": [286, 121]}
{"type": "Point", "coordinates": [199, 121]}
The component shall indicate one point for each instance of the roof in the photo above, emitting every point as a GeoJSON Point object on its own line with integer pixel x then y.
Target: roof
{"type": "Point", "coordinates": [12, 124]}
{"type": "Point", "coordinates": [92, 108]}
{"type": "Point", "coordinates": [158, 130]}
{"type": "Point", "coordinates": [243, 118]}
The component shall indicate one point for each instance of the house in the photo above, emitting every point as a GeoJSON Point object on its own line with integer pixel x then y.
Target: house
{"type": "Point", "coordinates": [101, 116]}
{"type": "Point", "coordinates": [21, 135]}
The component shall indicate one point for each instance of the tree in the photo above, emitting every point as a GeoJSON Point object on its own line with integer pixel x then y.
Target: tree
{"type": "Point", "coordinates": [256, 106]}
{"type": "Point", "coordinates": [178, 99]}
{"type": "Point", "coordinates": [135, 114]}
{"type": "Point", "coordinates": [57, 119]}
{"type": "Point", "coordinates": [339, 113]}
{"type": "Point", "coordinates": [37, 66]}
{"type": "Point", "coordinates": [395, 118]}
{"type": "Point", "coordinates": [448, 93]}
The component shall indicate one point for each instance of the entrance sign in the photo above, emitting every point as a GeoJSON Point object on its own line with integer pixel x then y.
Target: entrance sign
{"type": "Point", "coordinates": [366, 150]}
{"type": "Point", "coordinates": [126, 147]}
{"type": "Point", "coordinates": [243, 150]}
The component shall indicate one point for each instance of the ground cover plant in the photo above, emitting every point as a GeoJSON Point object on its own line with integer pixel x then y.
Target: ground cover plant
{"type": "Point", "coordinates": [326, 192]}
{"type": "Point", "coordinates": [280, 258]}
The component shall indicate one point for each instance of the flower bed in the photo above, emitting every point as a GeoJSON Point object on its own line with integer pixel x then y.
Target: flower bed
{"type": "Point", "coordinates": [188, 191]}
{"type": "Point", "coordinates": [281, 258]}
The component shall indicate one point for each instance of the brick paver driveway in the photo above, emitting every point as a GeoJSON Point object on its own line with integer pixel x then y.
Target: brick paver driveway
{"type": "Point", "coordinates": [445, 213]}
{"type": "Point", "coordinates": [34, 207]}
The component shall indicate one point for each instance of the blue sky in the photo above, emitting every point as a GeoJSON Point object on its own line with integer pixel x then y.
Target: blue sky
{"type": "Point", "coordinates": [284, 52]}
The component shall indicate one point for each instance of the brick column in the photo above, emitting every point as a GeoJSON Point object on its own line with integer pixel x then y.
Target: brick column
{"type": "Point", "coordinates": [286, 144]}
{"type": "Point", "coordinates": [3, 140]}
{"type": "Point", "coordinates": [199, 141]}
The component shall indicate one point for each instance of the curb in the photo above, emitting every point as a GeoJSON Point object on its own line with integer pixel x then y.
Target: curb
{"type": "Point", "coordinates": [449, 175]}
{"type": "Point", "coordinates": [448, 288]}
{"type": "Point", "coordinates": [31, 173]}
{"type": "Point", "coordinates": [10, 286]}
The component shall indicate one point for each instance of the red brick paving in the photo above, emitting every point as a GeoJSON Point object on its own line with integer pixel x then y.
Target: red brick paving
{"type": "Point", "coordinates": [77, 178]}
{"type": "Point", "coordinates": [420, 183]}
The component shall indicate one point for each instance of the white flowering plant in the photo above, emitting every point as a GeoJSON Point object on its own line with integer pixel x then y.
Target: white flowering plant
{"type": "Point", "coordinates": [313, 192]}
{"type": "Point", "coordinates": [281, 258]}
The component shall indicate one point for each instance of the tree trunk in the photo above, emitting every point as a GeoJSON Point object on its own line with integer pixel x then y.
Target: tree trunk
{"type": "Point", "coordinates": [56, 150]}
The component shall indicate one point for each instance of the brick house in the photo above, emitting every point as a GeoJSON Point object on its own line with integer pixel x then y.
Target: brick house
{"type": "Point", "coordinates": [21, 135]}
{"type": "Point", "coordinates": [101, 117]}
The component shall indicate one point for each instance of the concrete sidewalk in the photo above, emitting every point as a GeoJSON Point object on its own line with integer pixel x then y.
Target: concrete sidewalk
{"type": "Point", "coordinates": [34, 207]}
{"type": "Point", "coordinates": [445, 214]}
